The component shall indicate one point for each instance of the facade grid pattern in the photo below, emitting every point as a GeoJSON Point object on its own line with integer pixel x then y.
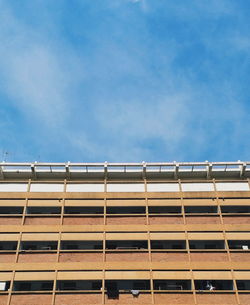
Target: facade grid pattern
{"type": "Point", "coordinates": [144, 247]}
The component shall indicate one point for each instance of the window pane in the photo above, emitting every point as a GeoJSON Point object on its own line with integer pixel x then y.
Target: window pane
{"type": "Point", "coordinates": [197, 187]}
{"type": "Point", "coordinates": [163, 187]}
{"type": "Point", "coordinates": [13, 187]}
{"type": "Point", "coordinates": [125, 187]}
{"type": "Point", "coordinates": [232, 186]}
{"type": "Point", "coordinates": [46, 187]}
{"type": "Point", "coordinates": [86, 187]}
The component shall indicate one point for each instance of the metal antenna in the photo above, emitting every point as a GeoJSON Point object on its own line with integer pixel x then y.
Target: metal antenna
{"type": "Point", "coordinates": [5, 155]}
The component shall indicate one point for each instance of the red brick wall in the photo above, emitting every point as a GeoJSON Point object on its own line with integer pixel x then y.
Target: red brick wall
{"type": "Point", "coordinates": [209, 256]}
{"type": "Point", "coordinates": [127, 257]}
{"type": "Point", "coordinates": [81, 257]}
{"type": "Point", "coordinates": [216, 299]}
{"type": "Point", "coordinates": [169, 256]}
{"type": "Point", "coordinates": [3, 299]}
{"type": "Point", "coordinates": [154, 220]}
{"type": "Point", "coordinates": [42, 220]}
{"type": "Point", "coordinates": [83, 220]}
{"type": "Point", "coordinates": [202, 220]}
{"type": "Point", "coordinates": [78, 299]}
{"type": "Point", "coordinates": [10, 220]}
{"type": "Point", "coordinates": [36, 257]}
{"type": "Point", "coordinates": [244, 298]}
{"type": "Point", "coordinates": [123, 220]}
{"type": "Point", "coordinates": [174, 298]}
{"type": "Point", "coordinates": [31, 299]}
{"type": "Point", "coordinates": [7, 257]}
{"type": "Point", "coordinates": [240, 257]}
{"type": "Point", "coordinates": [236, 220]}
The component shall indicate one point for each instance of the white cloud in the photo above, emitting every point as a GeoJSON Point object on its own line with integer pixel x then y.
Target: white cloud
{"type": "Point", "coordinates": [130, 95]}
{"type": "Point", "coordinates": [35, 75]}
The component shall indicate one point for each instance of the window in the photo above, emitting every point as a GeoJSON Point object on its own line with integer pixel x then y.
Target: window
{"type": "Point", "coordinates": [79, 285]}
{"type": "Point", "coordinates": [200, 209]}
{"type": "Point", "coordinates": [13, 187]}
{"type": "Point", "coordinates": [32, 285]}
{"type": "Point", "coordinates": [163, 187]}
{"type": "Point", "coordinates": [38, 245]}
{"type": "Point", "coordinates": [172, 284]}
{"type": "Point", "coordinates": [46, 187]}
{"type": "Point", "coordinates": [207, 244]}
{"type": "Point", "coordinates": [126, 244]}
{"type": "Point", "coordinates": [168, 244]}
{"type": "Point", "coordinates": [43, 210]}
{"type": "Point", "coordinates": [81, 245]}
{"type": "Point", "coordinates": [232, 186]}
{"type": "Point", "coordinates": [127, 284]}
{"type": "Point", "coordinates": [11, 210]}
{"type": "Point", "coordinates": [83, 210]}
{"type": "Point", "coordinates": [235, 209]}
{"type": "Point", "coordinates": [8, 245]}
{"type": "Point", "coordinates": [197, 187]}
{"type": "Point", "coordinates": [47, 285]}
{"type": "Point", "coordinates": [125, 187]}
{"type": "Point", "coordinates": [164, 209]}
{"type": "Point", "coordinates": [213, 285]}
{"type": "Point", "coordinates": [126, 210]}
{"type": "Point", "coordinates": [243, 284]}
{"type": "Point", "coordinates": [239, 244]}
{"type": "Point", "coordinates": [86, 187]}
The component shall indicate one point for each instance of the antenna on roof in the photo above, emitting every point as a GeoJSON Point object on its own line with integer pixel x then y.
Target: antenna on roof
{"type": "Point", "coordinates": [5, 155]}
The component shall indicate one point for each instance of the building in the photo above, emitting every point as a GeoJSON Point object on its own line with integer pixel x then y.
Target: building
{"type": "Point", "coordinates": [142, 233]}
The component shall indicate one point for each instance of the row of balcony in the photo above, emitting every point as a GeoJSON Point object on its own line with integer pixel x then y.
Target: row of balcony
{"type": "Point", "coordinates": [120, 210]}
{"type": "Point", "coordinates": [126, 187]}
{"type": "Point", "coordinates": [114, 286]}
{"type": "Point", "coordinates": [129, 245]}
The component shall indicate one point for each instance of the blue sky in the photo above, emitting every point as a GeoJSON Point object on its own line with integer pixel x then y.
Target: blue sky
{"type": "Point", "coordinates": [124, 80]}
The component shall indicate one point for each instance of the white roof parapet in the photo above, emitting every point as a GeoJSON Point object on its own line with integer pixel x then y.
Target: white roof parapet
{"type": "Point", "coordinates": [171, 170]}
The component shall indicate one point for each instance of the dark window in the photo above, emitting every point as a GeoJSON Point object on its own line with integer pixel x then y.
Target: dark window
{"type": "Point", "coordinates": [207, 244]}
{"type": "Point", "coordinates": [96, 285]}
{"type": "Point", "coordinates": [38, 245]}
{"type": "Point", "coordinates": [243, 284]}
{"type": "Point", "coordinates": [33, 285]}
{"type": "Point", "coordinates": [79, 285]}
{"type": "Point", "coordinates": [126, 210]}
{"type": "Point", "coordinates": [239, 244]}
{"type": "Point", "coordinates": [81, 245]}
{"type": "Point", "coordinates": [126, 244]}
{"type": "Point", "coordinates": [172, 284]}
{"type": "Point", "coordinates": [200, 209]}
{"type": "Point", "coordinates": [164, 210]}
{"type": "Point", "coordinates": [8, 245]}
{"type": "Point", "coordinates": [43, 210]}
{"type": "Point", "coordinates": [168, 244]}
{"type": "Point", "coordinates": [83, 210]}
{"type": "Point", "coordinates": [68, 285]}
{"type": "Point", "coordinates": [213, 285]}
{"type": "Point", "coordinates": [24, 286]}
{"type": "Point", "coordinates": [47, 285]}
{"type": "Point", "coordinates": [127, 284]}
{"type": "Point", "coordinates": [235, 209]}
{"type": "Point", "coordinates": [11, 210]}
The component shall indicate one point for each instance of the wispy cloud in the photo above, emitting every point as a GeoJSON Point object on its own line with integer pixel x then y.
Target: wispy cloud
{"type": "Point", "coordinates": [125, 80]}
{"type": "Point", "coordinates": [35, 71]}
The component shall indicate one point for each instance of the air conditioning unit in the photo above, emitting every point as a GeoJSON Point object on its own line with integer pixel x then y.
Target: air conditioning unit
{"type": "Point", "coordinates": [2, 286]}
